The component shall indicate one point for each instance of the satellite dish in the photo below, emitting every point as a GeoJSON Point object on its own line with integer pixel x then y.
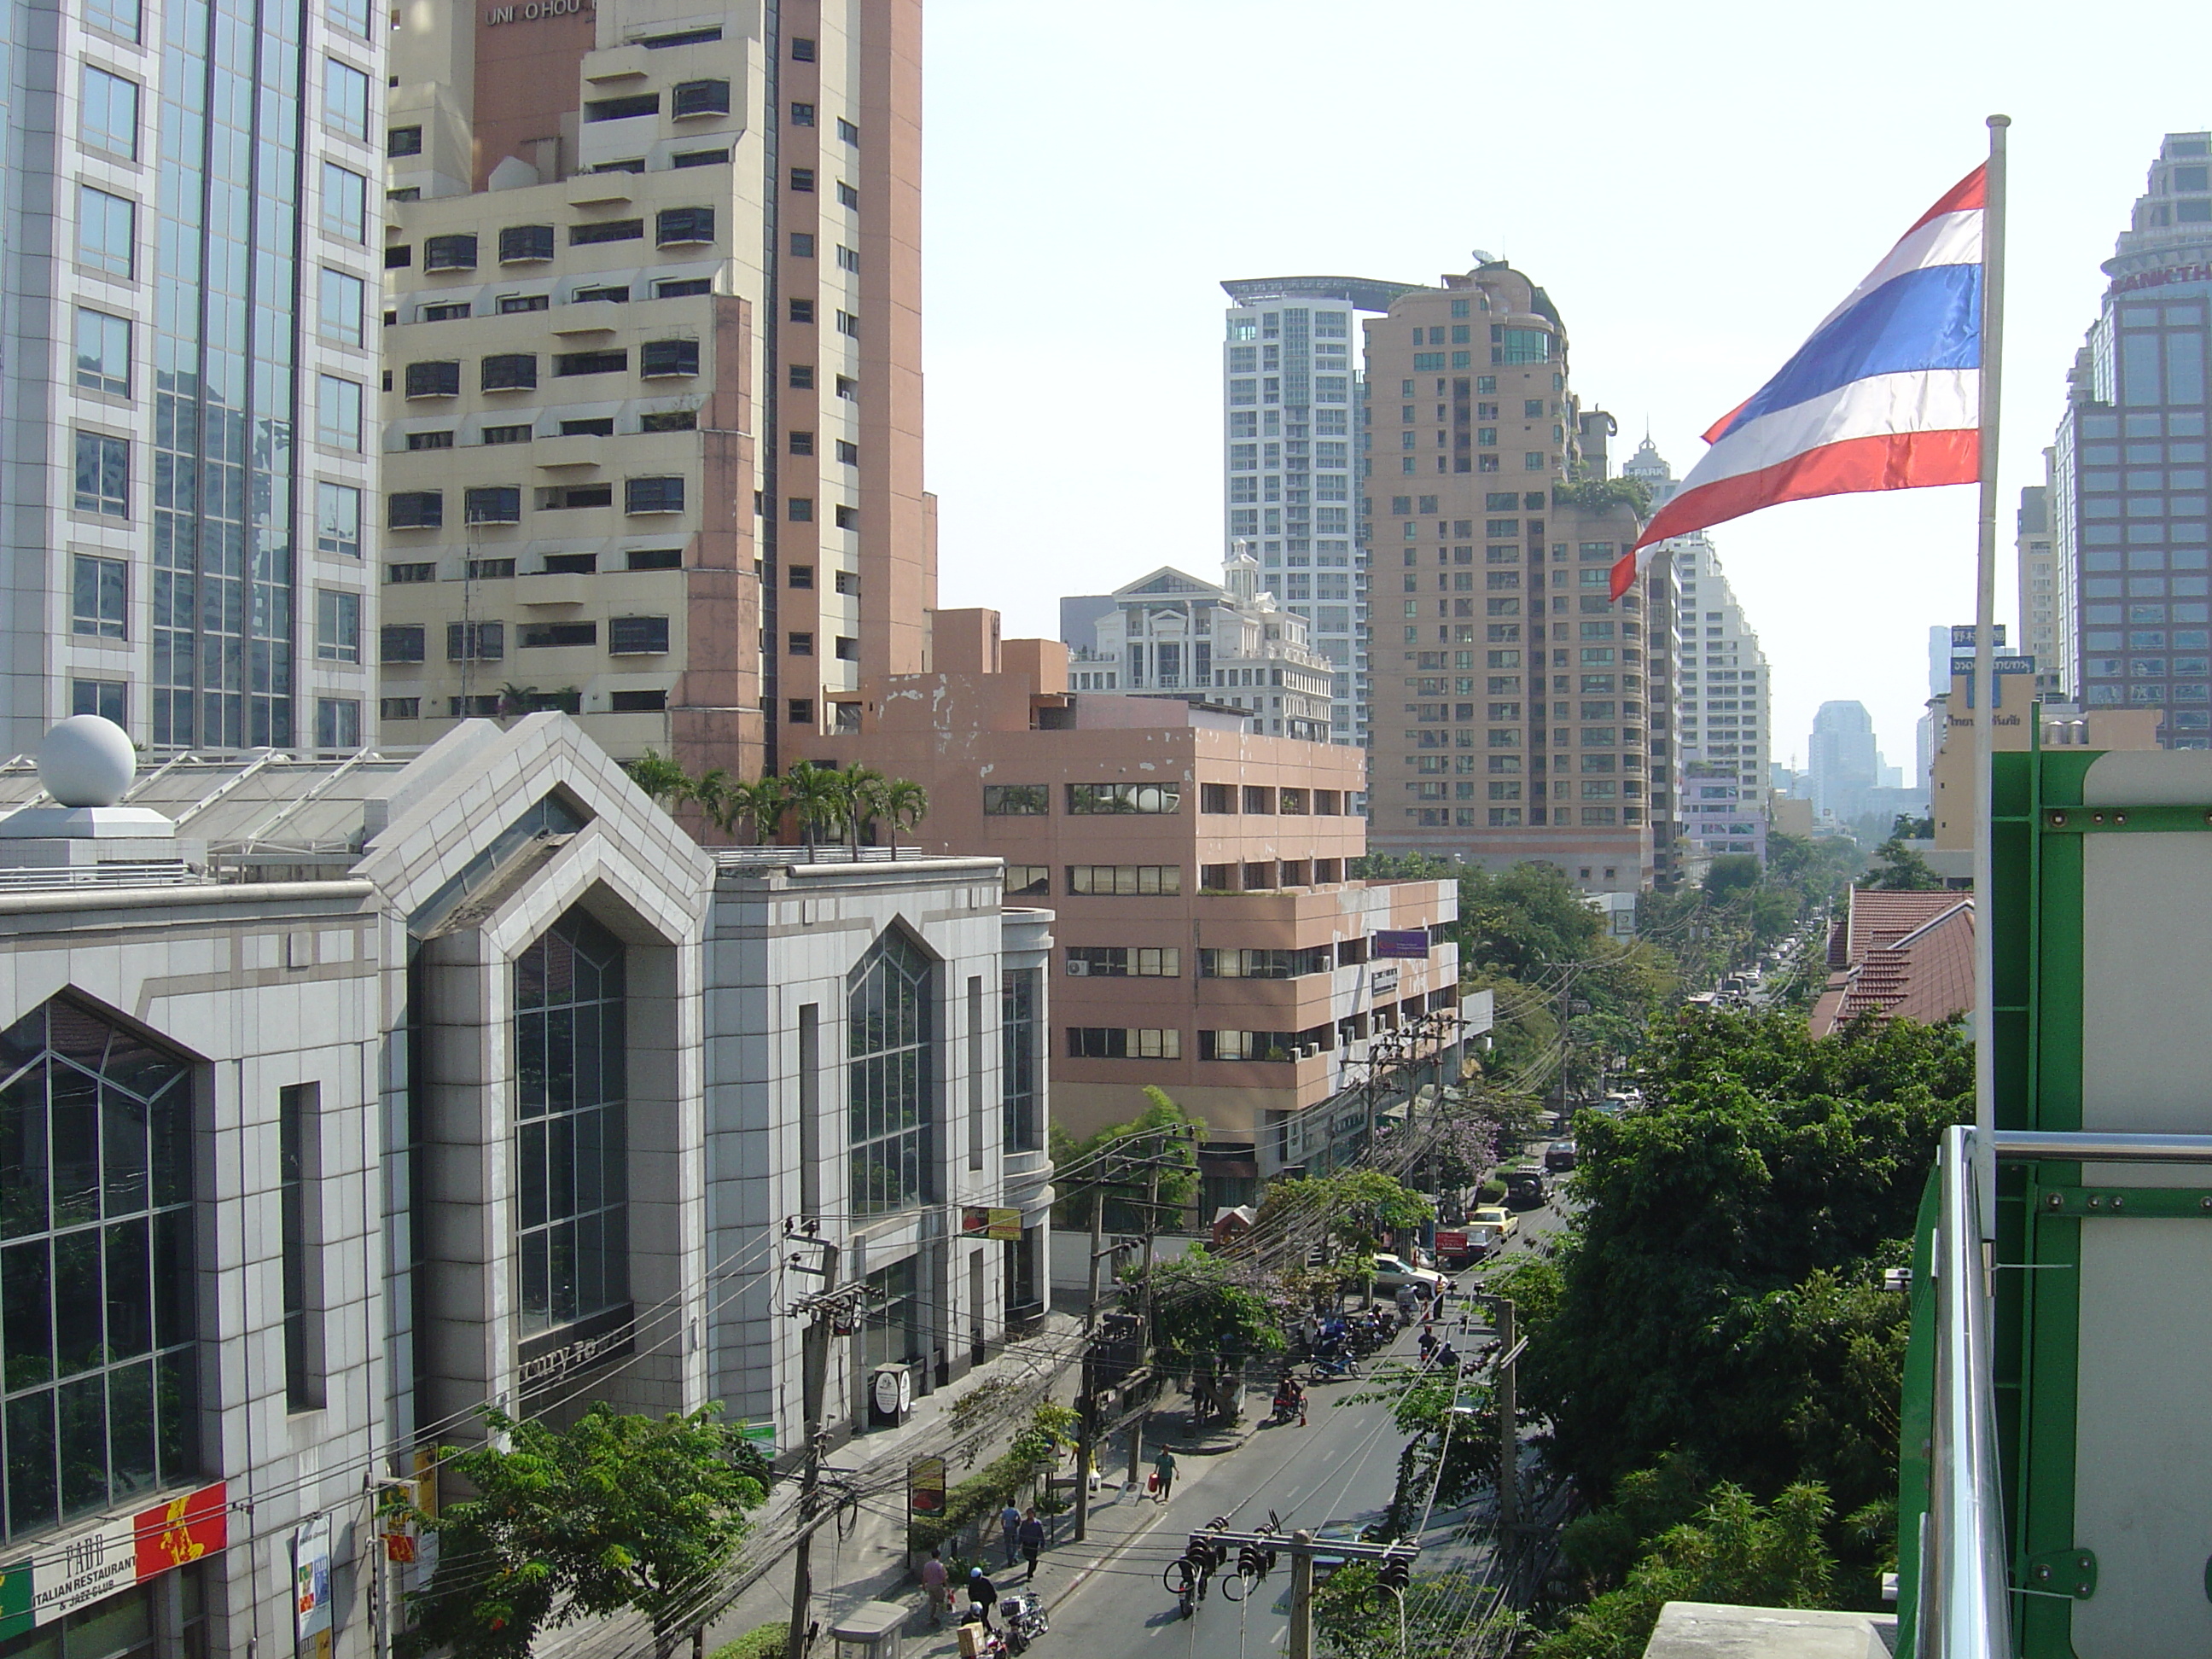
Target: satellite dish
{"type": "Point", "coordinates": [1483, 257]}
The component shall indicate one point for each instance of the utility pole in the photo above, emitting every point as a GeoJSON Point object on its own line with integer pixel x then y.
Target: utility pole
{"type": "Point", "coordinates": [1087, 1425]}
{"type": "Point", "coordinates": [825, 1310]}
{"type": "Point", "coordinates": [1145, 1319]}
{"type": "Point", "coordinates": [1301, 1546]}
{"type": "Point", "coordinates": [1508, 1418]}
{"type": "Point", "coordinates": [1301, 1594]}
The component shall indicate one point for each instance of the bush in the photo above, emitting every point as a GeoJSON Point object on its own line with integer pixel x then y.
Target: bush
{"type": "Point", "coordinates": [762, 1641]}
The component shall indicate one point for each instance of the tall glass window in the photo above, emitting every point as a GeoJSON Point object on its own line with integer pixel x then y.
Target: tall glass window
{"type": "Point", "coordinates": [1017, 1059]}
{"type": "Point", "coordinates": [572, 1228]}
{"type": "Point", "coordinates": [891, 1053]}
{"type": "Point", "coordinates": [229, 299]}
{"type": "Point", "coordinates": [95, 1266]}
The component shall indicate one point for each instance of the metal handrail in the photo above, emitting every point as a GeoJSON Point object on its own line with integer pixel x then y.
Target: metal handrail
{"type": "Point", "coordinates": [1964, 1609]}
{"type": "Point", "coordinates": [1964, 1606]}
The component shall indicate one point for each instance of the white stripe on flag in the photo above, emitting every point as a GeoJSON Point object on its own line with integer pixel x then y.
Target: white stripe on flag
{"type": "Point", "coordinates": [1919, 400]}
{"type": "Point", "coordinates": [1950, 239]}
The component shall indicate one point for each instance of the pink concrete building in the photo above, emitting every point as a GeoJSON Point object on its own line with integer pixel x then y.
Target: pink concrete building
{"type": "Point", "coordinates": [1208, 941]}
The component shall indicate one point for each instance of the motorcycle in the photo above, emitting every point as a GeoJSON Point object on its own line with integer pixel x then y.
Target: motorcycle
{"type": "Point", "coordinates": [1025, 1620]}
{"type": "Point", "coordinates": [1287, 1405]}
{"type": "Point", "coordinates": [1336, 1369]}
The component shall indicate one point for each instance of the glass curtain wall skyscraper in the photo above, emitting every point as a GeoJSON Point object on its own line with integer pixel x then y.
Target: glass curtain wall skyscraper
{"type": "Point", "coordinates": [189, 364]}
{"type": "Point", "coordinates": [1292, 416]}
{"type": "Point", "coordinates": [2128, 469]}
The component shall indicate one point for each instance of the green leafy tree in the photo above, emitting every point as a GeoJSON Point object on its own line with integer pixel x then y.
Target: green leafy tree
{"type": "Point", "coordinates": [1356, 1618]}
{"type": "Point", "coordinates": [1364, 1207]}
{"type": "Point", "coordinates": [1729, 874]}
{"type": "Point", "coordinates": [1719, 1292]}
{"type": "Point", "coordinates": [1450, 1454]}
{"type": "Point", "coordinates": [1207, 1309]}
{"type": "Point", "coordinates": [1735, 1551]}
{"type": "Point", "coordinates": [1899, 869]}
{"type": "Point", "coordinates": [615, 1513]}
{"type": "Point", "coordinates": [1162, 1130]}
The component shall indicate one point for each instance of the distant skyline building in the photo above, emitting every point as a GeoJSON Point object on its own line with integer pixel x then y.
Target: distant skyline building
{"type": "Point", "coordinates": [192, 220]}
{"type": "Point", "coordinates": [1291, 420]}
{"type": "Point", "coordinates": [1842, 757]}
{"type": "Point", "coordinates": [2044, 614]}
{"type": "Point", "coordinates": [2127, 478]}
{"type": "Point", "coordinates": [1722, 704]}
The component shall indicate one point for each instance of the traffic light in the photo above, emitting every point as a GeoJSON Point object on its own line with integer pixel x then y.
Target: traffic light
{"type": "Point", "coordinates": [1396, 1573]}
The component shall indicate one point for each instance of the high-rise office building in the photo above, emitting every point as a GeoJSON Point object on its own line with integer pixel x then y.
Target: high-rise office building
{"type": "Point", "coordinates": [2127, 472]}
{"type": "Point", "coordinates": [1724, 688]}
{"type": "Point", "coordinates": [1843, 758]}
{"type": "Point", "coordinates": [654, 410]}
{"type": "Point", "coordinates": [189, 362]}
{"type": "Point", "coordinates": [1520, 712]}
{"type": "Point", "coordinates": [1291, 420]}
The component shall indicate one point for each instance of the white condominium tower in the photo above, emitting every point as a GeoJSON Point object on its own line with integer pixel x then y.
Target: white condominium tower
{"type": "Point", "coordinates": [1725, 685]}
{"type": "Point", "coordinates": [1291, 420]}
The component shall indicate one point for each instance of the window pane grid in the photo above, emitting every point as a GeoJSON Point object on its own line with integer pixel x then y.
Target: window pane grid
{"type": "Point", "coordinates": [95, 1265]}
{"type": "Point", "coordinates": [572, 1186]}
{"type": "Point", "coordinates": [889, 1055]}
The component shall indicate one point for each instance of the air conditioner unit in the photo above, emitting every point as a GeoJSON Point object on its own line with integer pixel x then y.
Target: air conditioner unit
{"type": "Point", "coordinates": [1077, 968]}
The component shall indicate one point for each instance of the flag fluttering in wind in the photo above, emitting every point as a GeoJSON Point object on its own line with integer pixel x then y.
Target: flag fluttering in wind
{"type": "Point", "coordinates": [1885, 395]}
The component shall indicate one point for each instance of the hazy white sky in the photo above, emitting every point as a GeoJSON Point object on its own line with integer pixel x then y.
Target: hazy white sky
{"type": "Point", "coordinates": [1696, 186]}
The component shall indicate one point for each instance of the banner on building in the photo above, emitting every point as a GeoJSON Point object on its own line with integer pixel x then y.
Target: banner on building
{"type": "Point", "coordinates": [311, 1579]}
{"type": "Point", "coordinates": [1405, 942]}
{"type": "Point", "coordinates": [79, 1568]}
{"type": "Point", "coordinates": [1004, 1225]}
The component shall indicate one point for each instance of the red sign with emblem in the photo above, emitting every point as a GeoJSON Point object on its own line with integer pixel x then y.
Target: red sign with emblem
{"type": "Point", "coordinates": [181, 1530]}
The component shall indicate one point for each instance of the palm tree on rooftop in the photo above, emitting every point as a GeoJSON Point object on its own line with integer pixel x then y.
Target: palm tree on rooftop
{"type": "Point", "coordinates": [904, 804]}
{"type": "Point", "coordinates": [815, 795]}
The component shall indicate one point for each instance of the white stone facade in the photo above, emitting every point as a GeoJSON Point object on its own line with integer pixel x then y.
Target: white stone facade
{"type": "Point", "coordinates": [503, 1102]}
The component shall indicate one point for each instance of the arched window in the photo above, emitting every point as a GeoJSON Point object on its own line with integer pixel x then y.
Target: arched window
{"type": "Point", "coordinates": [572, 1212]}
{"type": "Point", "coordinates": [95, 1265]}
{"type": "Point", "coordinates": [889, 1052]}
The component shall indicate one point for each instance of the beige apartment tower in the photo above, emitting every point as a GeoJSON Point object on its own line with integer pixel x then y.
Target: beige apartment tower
{"type": "Point", "coordinates": [653, 402]}
{"type": "Point", "coordinates": [1519, 713]}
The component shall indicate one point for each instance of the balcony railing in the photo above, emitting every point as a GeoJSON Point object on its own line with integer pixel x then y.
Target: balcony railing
{"type": "Point", "coordinates": [1963, 1599]}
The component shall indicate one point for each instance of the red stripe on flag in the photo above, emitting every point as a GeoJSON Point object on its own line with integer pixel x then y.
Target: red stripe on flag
{"type": "Point", "coordinates": [1969, 192]}
{"type": "Point", "coordinates": [1897, 460]}
{"type": "Point", "coordinates": [1711, 434]}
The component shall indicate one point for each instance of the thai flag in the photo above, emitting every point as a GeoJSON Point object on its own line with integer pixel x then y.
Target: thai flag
{"type": "Point", "coordinates": [1885, 395]}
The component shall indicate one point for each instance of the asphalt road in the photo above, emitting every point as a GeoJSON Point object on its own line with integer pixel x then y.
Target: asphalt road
{"type": "Point", "coordinates": [1339, 1471]}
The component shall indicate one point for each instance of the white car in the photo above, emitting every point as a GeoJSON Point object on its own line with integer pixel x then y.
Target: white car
{"type": "Point", "coordinates": [1391, 1272]}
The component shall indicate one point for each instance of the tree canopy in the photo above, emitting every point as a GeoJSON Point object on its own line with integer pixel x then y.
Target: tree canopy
{"type": "Point", "coordinates": [1163, 1130]}
{"type": "Point", "coordinates": [614, 1513]}
{"type": "Point", "coordinates": [1719, 1291]}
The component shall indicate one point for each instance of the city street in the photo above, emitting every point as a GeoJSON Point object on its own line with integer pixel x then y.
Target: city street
{"type": "Point", "coordinates": [1106, 1598]}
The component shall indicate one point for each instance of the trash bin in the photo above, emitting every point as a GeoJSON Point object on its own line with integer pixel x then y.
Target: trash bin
{"type": "Point", "coordinates": [870, 1631]}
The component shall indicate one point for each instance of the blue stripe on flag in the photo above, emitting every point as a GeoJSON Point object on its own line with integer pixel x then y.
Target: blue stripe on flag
{"type": "Point", "coordinates": [1926, 319]}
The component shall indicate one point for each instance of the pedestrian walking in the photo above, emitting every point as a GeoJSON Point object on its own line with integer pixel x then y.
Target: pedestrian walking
{"type": "Point", "coordinates": [1163, 1473]}
{"type": "Point", "coordinates": [933, 1584]}
{"type": "Point", "coordinates": [983, 1595]}
{"type": "Point", "coordinates": [1032, 1539]}
{"type": "Point", "coordinates": [1010, 1523]}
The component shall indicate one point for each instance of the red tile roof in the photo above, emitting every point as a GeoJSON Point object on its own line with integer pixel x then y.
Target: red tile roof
{"type": "Point", "coordinates": [1908, 956]}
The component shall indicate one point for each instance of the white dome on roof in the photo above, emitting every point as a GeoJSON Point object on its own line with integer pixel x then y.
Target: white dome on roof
{"type": "Point", "coordinates": [87, 760]}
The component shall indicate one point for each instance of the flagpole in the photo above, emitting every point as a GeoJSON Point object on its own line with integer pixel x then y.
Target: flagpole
{"type": "Point", "coordinates": [1984, 695]}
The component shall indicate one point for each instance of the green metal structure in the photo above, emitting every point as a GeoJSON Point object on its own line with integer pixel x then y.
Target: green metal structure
{"type": "Point", "coordinates": [2100, 1281]}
